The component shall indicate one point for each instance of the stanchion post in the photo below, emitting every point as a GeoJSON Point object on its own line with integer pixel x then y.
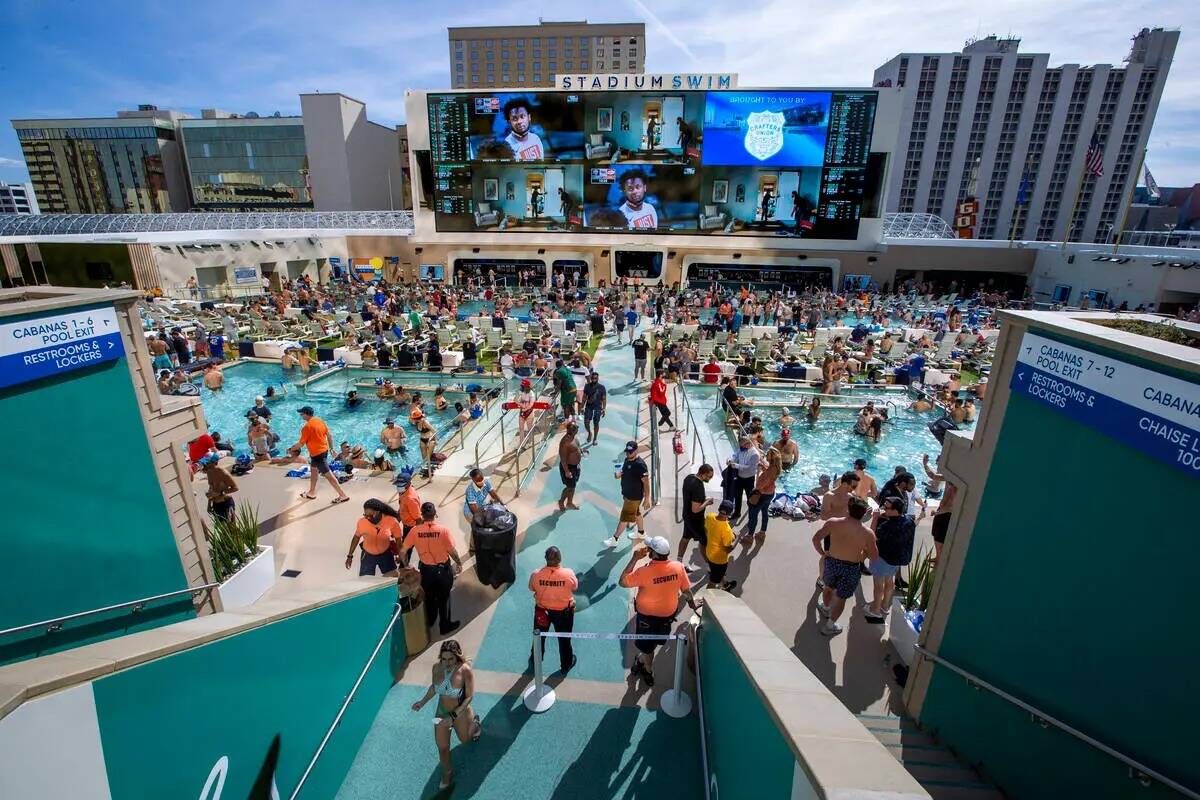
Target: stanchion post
{"type": "Point", "coordinates": [675, 702]}
{"type": "Point", "coordinates": [538, 696]}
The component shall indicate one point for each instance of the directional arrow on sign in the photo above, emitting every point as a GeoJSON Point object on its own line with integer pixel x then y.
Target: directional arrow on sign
{"type": "Point", "coordinates": [1021, 375]}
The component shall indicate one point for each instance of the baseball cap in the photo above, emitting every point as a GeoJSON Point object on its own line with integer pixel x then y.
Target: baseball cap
{"type": "Point", "coordinates": [379, 452]}
{"type": "Point", "coordinates": [389, 421]}
{"type": "Point", "coordinates": [306, 410]}
{"type": "Point", "coordinates": [401, 481]}
{"type": "Point", "coordinates": [631, 447]}
{"type": "Point", "coordinates": [726, 507]}
{"type": "Point", "coordinates": [659, 544]}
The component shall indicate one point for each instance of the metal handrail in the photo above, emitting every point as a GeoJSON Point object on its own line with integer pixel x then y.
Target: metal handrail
{"type": "Point", "coordinates": [538, 392]}
{"type": "Point", "coordinates": [524, 439]}
{"type": "Point", "coordinates": [346, 703]}
{"type": "Point", "coordinates": [1040, 717]}
{"type": "Point", "coordinates": [54, 625]}
{"type": "Point", "coordinates": [700, 706]}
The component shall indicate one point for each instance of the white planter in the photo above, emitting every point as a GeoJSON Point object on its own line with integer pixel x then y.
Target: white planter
{"type": "Point", "coordinates": [901, 633]}
{"type": "Point", "coordinates": [250, 582]}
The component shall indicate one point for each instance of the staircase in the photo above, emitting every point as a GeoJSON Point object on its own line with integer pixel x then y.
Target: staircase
{"type": "Point", "coordinates": [933, 764]}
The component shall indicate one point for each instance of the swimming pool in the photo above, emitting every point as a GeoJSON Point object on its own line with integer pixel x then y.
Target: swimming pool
{"type": "Point", "coordinates": [485, 308]}
{"type": "Point", "coordinates": [226, 409]}
{"type": "Point", "coordinates": [830, 446]}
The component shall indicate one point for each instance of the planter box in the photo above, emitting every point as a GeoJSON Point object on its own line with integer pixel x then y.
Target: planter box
{"type": "Point", "coordinates": [250, 582]}
{"type": "Point", "coordinates": [901, 633]}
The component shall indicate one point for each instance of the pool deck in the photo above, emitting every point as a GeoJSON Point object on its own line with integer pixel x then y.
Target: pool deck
{"type": "Point", "coordinates": [606, 735]}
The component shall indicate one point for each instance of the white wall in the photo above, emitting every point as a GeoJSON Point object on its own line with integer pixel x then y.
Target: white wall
{"type": "Point", "coordinates": [50, 748]}
{"type": "Point", "coordinates": [1135, 282]}
{"type": "Point", "coordinates": [351, 159]}
{"type": "Point", "coordinates": [175, 267]}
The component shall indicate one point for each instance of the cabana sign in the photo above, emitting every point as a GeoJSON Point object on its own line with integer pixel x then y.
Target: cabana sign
{"type": "Point", "coordinates": [1151, 412]}
{"type": "Point", "coordinates": [44, 346]}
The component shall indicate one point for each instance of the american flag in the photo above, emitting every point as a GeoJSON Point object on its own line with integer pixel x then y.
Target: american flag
{"type": "Point", "coordinates": [1093, 162]}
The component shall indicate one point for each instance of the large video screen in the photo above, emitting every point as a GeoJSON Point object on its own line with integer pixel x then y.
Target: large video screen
{"type": "Point", "coordinates": [749, 163]}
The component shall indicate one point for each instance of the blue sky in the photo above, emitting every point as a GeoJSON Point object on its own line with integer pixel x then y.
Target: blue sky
{"type": "Point", "coordinates": [76, 59]}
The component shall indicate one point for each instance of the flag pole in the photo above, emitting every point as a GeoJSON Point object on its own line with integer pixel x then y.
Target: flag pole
{"type": "Point", "coordinates": [1129, 205]}
{"type": "Point", "coordinates": [1012, 231]}
{"type": "Point", "coordinates": [1083, 171]}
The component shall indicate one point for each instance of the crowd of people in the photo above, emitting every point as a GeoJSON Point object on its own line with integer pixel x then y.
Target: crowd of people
{"type": "Point", "coordinates": [864, 528]}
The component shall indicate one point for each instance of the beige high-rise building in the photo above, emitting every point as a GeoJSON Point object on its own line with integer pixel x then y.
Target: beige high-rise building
{"type": "Point", "coordinates": [494, 57]}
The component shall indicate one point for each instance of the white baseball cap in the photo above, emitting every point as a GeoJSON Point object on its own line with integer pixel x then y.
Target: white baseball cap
{"type": "Point", "coordinates": [379, 453]}
{"type": "Point", "coordinates": [659, 544]}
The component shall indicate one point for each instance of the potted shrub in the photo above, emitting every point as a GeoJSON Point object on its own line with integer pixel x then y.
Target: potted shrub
{"type": "Point", "coordinates": [244, 569]}
{"type": "Point", "coordinates": [908, 607]}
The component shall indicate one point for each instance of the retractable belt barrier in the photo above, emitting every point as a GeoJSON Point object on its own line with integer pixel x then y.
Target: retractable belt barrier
{"type": "Point", "coordinates": [674, 702]}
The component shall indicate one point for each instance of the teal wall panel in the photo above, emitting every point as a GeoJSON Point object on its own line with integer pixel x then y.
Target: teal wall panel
{"type": "Point", "coordinates": [85, 522]}
{"type": "Point", "coordinates": [747, 755]}
{"type": "Point", "coordinates": [165, 724]}
{"type": "Point", "coordinates": [1069, 599]}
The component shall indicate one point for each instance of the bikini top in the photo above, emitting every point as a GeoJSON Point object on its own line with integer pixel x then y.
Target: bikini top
{"type": "Point", "coordinates": [444, 688]}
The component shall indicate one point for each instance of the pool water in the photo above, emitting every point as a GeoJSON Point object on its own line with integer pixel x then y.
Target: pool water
{"type": "Point", "coordinates": [226, 409]}
{"type": "Point", "coordinates": [830, 446]}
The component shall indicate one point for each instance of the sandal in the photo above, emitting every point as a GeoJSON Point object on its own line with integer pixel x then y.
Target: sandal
{"type": "Point", "coordinates": [305, 496]}
{"type": "Point", "coordinates": [478, 729]}
{"type": "Point", "coordinates": [337, 500]}
{"type": "Point", "coordinates": [446, 781]}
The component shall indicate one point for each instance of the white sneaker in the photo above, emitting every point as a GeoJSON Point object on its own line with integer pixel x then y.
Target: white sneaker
{"type": "Point", "coordinates": [637, 536]}
{"type": "Point", "coordinates": [870, 613]}
{"type": "Point", "coordinates": [824, 609]}
{"type": "Point", "coordinates": [831, 628]}
{"type": "Point", "coordinates": [610, 543]}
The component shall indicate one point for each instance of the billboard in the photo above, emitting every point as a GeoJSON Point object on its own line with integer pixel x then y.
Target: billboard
{"type": "Point", "coordinates": [772, 162]}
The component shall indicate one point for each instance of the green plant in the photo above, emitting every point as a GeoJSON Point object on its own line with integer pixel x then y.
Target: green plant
{"type": "Point", "coordinates": [920, 583]}
{"type": "Point", "coordinates": [233, 543]}
{"type": "Point", "coordinates": [1165, 331]}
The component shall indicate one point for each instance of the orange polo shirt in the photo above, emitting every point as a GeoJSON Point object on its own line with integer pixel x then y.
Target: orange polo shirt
{"type": "Point", "coordinates": [377, 539]}
{"type": "Point", "coordinates": [552, 587]}
{"type": "Point", "coordinates": [659, 585]}
{"type": "Point", "coordinates": [315, 436]}
{"type": "Point", "coordinates": [432, 541]}
{"type": "Point", "coordinates": [410, 507]}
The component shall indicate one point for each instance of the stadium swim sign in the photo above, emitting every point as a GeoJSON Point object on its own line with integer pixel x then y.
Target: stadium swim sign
{"type": "Point", "coordinates": [697, 81]}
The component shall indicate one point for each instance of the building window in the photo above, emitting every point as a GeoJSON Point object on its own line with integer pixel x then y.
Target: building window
{"type": "Point", "coordinates": [633, 65]}
{"type": "Point", "coordinates": [583, 65]}
{"type": "Point", "coordinates": [520, 78]}
{"type": "Point", "coordinates": [504, 54]}
{"type": "Point", "coordinates": [553, 66]}
{"type": "Point", "coordinates": [491, 55]}
{"type": "Point", "coordinates": [504, 42]}
{"type": "Point", "coordinates": [458, 44]}
{"type": "Point", "coordinates": [458, 56]}
{"type": "Point", "coordinates": [487, 42]}
{"type": "Point", "coordinates": [633, 41]}
{"type": "Point", "coordinates": [567, 65]}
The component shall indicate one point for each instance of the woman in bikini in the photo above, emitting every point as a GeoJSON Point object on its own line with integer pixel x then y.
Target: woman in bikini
{"type": "Point", "coordinates": [454, 684]}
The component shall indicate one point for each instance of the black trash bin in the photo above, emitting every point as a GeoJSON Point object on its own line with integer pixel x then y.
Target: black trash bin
{"type": "Point", "coordinates": [494, 532]}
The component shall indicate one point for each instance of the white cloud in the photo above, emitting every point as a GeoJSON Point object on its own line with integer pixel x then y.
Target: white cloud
{"type": "Point", "coordinates": [12, 163]}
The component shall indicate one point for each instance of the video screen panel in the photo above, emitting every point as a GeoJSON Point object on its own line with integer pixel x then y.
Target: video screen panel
{"type": "Point", "coordinates": [743, 163]}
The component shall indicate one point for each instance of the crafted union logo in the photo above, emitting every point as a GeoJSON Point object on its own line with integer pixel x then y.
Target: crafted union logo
{"type": "Point", "coordinates": [764, 134]}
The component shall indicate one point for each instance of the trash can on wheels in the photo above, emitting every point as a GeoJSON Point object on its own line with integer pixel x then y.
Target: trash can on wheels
{"type": "Point", "coordinates": [412, 611]}
{"type": "Point", "coordinates": [494, 533]}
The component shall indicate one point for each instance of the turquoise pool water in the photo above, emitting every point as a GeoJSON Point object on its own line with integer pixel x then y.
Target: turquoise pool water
{"type": "Point", "coordinates": [226, 409]}
{"type": "Point", "coordinates": [831, 446]}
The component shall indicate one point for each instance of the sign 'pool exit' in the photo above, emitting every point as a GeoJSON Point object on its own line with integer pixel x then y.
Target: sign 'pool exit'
{"type": "Point", "coordinates": [37, 348]}
{"type": "Point", "coordinates": [1155, 413]}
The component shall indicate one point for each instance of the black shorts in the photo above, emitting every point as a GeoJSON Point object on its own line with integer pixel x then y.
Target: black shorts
{"type": "Point", "coordinates": [941, 526]}
{"type": "Point", "coordinates": [385, 562]}
{"type": "Point", "coordinates": [319, 463]}
{"type": "Point", "coordinates": [716, 572]}
{"type": "Point", "coordinates": [644, 625]}
{"type": "Point", "coordinates": [696, 534]}
{"type": "Point", "coordinates": [570, 475]}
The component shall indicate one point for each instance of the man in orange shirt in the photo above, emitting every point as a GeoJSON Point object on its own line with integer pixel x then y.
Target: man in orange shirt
{"type": "Point", "coordinates": [408, 500]}
{"type": "Point", "coordinates": [554, 603]}
{"type": "Point", "coordinates": [378, 535]}
{"type": "Point", "coordinates": [435, 548]}
{"type": "Point", "coordinates": [316, 437]}
{"type": "Point", "coordinates": [659, 585]}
